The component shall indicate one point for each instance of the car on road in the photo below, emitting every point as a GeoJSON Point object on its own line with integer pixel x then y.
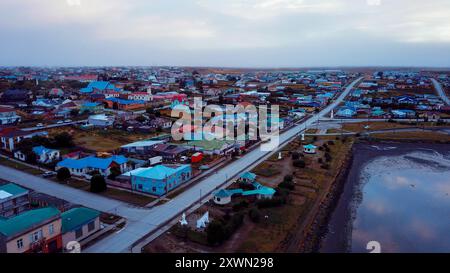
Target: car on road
{"type": "Point", "coordinates": [68, 121]}
{"type": "Point", "coordinates": [48, 174]}
{"type": "Point", "coordinates": [39, 125]}
{"type": "Point", "coordinates": [60, 122]}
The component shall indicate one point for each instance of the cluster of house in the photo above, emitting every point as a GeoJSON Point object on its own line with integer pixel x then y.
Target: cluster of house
{"type": "Point", "coordinates": [394, 94]}
{"type": "Point", "coordinates": [46, 229]}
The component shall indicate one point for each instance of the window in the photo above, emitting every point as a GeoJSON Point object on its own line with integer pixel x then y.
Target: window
{"type": "Point", "coordinates": [36, 236]}
{"type": "Point", "coordinates": [91, 226]}
{"type": "Point", "coordinates": [20, 243]}
{"type": "Point", "coordinates": [78, 233]}
{"type": "Point", "coordinates": [51, 229]}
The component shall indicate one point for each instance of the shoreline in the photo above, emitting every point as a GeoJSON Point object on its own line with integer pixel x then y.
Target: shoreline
{"type": "Point", "coordinates": [337, 218]}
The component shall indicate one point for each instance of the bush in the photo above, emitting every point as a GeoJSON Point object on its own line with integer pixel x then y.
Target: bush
{"type": "Point", "coordinates": [295, 156]}
{"type": "Point", "coordinates": [299, 163]}
{"type": "Point", "coordinates": [215, 233]}
{"type": "Point", "coordinates": [114, 172]}
{"type": "Point", "coordinates": [98, 184]}
{"type": "Point", "coordinates": [328, 157]}
{"type": "Point", "coordinates": [330, 142]}
{"type": "Point", "coordinates": [240, 205]}
{"type": "Point", "coordinates": [288, 178]}
{"type": "Point", "coordinates": [320, 160]}
{"type": "Point", "coordinates": [274, 202]}
{"type": "Point", "coordinates": [255, 215]}
{"type": "Point", "coordinates": [325, 166]}
{"type": "Point", "coordinates": [63, 174]}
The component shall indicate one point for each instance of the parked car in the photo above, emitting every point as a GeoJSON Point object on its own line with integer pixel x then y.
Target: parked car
{"type": "Point", "coordinates": [39, 125]}
{"type": "Point", "coordinates": [48, 174]}
{"type": "Point", "coordinates": [68, 121]}
{"type": "Point", "coordinates": [60, 122]}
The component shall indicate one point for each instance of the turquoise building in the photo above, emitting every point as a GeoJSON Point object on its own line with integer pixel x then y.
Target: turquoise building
{"type": "Point", "coordinates": [160, 179]}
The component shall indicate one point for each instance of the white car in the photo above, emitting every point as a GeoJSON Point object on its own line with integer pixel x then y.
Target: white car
{"type": "Point", "coordinates": [60, 122]}
{"type": "Point", "coordinates": [39, 125]}
{"type": "Point", "coordinates": [68, 121]}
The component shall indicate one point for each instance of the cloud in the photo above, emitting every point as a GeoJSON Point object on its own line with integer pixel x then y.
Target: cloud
{"type": "Point", "coordinates": [230, 32]}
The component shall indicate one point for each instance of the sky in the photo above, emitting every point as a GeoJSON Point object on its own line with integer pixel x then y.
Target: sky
{"type": "Point", "coordinates": [228, 33]}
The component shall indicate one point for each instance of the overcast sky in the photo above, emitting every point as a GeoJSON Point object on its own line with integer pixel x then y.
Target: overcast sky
{"type": "Point", "coordinates": [239, 33]}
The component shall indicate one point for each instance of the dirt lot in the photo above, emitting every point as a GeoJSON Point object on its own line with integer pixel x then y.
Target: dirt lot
{"type": "Point", "coordinates": [101, 140]}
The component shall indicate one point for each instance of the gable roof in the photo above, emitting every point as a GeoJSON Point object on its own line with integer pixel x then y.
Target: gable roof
{"type": "Point", "coordinates": [77, 217]}
{"type": "Point", "coordinates": [158, 172]}
{"type": "Point", "coordinates": [92, 162]}
{"type": "Point", "coordinates": [26, 220]}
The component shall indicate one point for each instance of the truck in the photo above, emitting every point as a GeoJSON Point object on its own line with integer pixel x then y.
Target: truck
{"type": "Point", "coordinates": [155, 160]}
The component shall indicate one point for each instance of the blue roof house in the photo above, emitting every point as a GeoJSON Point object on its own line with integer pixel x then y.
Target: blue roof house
{"type": "Point", "coordinates": [101, 86]}
{"type": "Point", "coordinates": [346, 112]}
{"type": "Point", "coordinates": [86, 165]}
{"type": "Point", "coordinates": [46, 155]}
{"type": "Point", "coordinates": [160, 179]}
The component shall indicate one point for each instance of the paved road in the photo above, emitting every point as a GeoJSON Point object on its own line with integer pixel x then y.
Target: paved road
{"type": "Point", "coordinates": [440, 91]}
{"type": "Point", "coordinates": [141, 221]}
{"type": "Point", "coordinates": [54, 125]}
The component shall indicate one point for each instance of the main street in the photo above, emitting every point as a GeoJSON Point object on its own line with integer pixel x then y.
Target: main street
{"type": "Point", "coordinates": [440, 91]}
{"type": "Point", "coordinates": [142, 221]}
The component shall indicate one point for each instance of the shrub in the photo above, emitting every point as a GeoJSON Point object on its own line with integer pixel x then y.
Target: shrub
{"type": "Point", "coordinates": [114, 172]}
{"type": "Point", "coordinates": [330, 142]}
{"type": "Point", "coordinates": [299, 163]}
{"type": "Point", "coordinates": [328, 157]}
{"type": "Point", "coordinates": [255, 215]}
{"type": "Point", "coordinates": [288, 178]}
{"type": "Point", "coordinates": [295, 156]}
{"type": "Point", "coordinates": [240, 205]}
{"type": "Point", "coordinates": [320, 160]}
{"type": "Point", "coordinates": [98, 184]}
{"type": "Point", "coordinates": [325, 166]}
{"type": "Point", "coordinates": [63, 174]}
{"type": "Point", "coordinates": [215, 232]}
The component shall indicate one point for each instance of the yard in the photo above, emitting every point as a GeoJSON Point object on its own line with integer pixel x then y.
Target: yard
{"type": "Point", "coordinates": [99, 140]}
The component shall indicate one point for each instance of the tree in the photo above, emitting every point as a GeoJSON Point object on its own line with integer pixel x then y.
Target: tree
{"type": "Point", "coordinates": [299, 163]}
{"type": "Point", "coordinates": [114, 172]}
{"type": "Point", "coordinates": [74, 112]}
{"type": "Point", "coordinates": [141, 119]}
{"type": "Point", "coordinates": [64, 140]}
{"type": "Point", "coordinates": [254, 215]}
{"type": "Point", "coordinates": [63, 174]}
{"type": "Point", "coordinates": [98, 184]}
{"type": "Point", "coordinates": [215, 232]}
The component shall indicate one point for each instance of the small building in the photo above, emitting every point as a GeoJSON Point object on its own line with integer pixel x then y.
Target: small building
{"type": "Point", "coordinates": [13, 200]}
{"type": "Point", "coordinates": [92, 107]}
{"type": "Point", "coordinates": [101, 120]}
{"type": "Point", "coordinates": [8, 116]}
{"type": "Point", "coordinates": [78, 224]}
{"type": "Point", "coordinates": [33, 231]}
{"type": "Point", "coordinates": [143, 147]}
{"type": "Point", "coordinates": [46, 155]}
{"type": "Point", "coordinates": [309, 149]}
{"type": "Point", "coordinates": [222, 197]}
{"type": "Point", "coordinates": [160, 179]}
{"type": "Point", "coordinates": [10, 137]}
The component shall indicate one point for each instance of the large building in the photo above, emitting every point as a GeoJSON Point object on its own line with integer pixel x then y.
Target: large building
{"type": "Point", "coordinates": [160, 179]}
{"type": "Point", "coordinates": [32, 231]}
{"type": "Point", "coordinates": [8, 116]}
{"type": "Point", "coordinates": [13, 200]}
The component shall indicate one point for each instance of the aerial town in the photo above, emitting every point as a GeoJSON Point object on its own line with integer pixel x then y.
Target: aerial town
{"type": "Point", "coordinates": [89, 163]}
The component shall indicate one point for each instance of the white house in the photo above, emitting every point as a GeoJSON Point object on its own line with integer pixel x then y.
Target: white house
{"type": "Point", "coordinates": [101, 120]}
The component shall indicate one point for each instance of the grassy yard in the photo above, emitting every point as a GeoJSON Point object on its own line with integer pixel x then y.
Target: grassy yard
{"type": "Point", "coordinates": [20, 167]}
{"type": "Point", "coordinates": [102, 140]}
{"type": "Point", "coordinates": [285, 222]}
{"type": "Point", "coordinates": [266, 169]}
